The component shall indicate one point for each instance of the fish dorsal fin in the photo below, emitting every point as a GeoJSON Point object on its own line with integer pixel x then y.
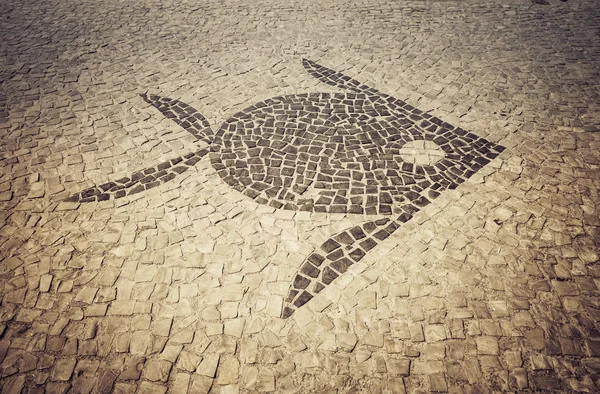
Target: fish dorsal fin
{"type": "Point", "coordinates": [337, 79]}
{"type": "Point", "coordinates": [184, 115]}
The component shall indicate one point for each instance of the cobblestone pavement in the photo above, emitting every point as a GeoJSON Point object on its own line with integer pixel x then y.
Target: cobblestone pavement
{"type": "Point", "coordinates": [320, 197]}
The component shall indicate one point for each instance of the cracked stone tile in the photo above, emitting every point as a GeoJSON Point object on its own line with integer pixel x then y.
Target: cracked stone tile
{"type": "Point", "coordinates": [490, 287]}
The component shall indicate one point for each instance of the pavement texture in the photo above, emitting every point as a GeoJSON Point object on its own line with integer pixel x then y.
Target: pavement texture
{"type": "Point", "coordinates": [299, 197]}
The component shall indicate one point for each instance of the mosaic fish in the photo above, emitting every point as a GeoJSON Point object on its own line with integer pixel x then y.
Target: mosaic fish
{"type": "Point", "coordinates": [323, 152]}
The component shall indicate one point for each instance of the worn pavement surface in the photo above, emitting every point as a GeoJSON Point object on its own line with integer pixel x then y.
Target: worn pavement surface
{"type": "Point", "coordinates": [492, 287]}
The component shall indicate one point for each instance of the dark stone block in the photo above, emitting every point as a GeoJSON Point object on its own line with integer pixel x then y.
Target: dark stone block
{"type": "Point", "coordinates": [90, 192]}
{"type": "Point", "coordinates": [259, 186]}
{"type": "Point", "coordinates": [381, 235]}
{"type": "Point", "coordinates": [318, 287]}
{"type": "Point", "coordinates": [342, 265]}
{"type": "Point", "coordinates": [116, 188]}
{"type": "Point", "coordinates": [368, 244]}
{"type": "Point", "coordinates": [328, 275]}
{"type": "Point", "coordinates": [147, 179]}
{"type": "Point", "coordinates": [310, 270]}
{"type": "Point", "coordinates": [291, 295]}
{"type": "Point", "coordinates": [107, 186]}
{"type": "Point", "coordinates": [410, 209]}
{"type": "Point", "coordinates": [152, 185]}
{"type": "Point", "coordinates": [339, 209]}
{"type": "Point", "coordinates": [393, 226]}
{"type": "Point", "coordinates": [381, 222]}
{"type": "Point", "coordinates": [357, 254]}
{"type": "Point", "coordinates": [164, 166]}
{"type": "Point", "coordinates": [338, 253]}
{"type": "Point", "coordinates": [301, 282]}
{"type": "Point", "coordinates": [137, 176]}
{"type": "Point", "coordinates": [330, 245]}
{"type": "Point", "coordinates": [251, 193]}
{"type": "Point", "coordinates": [344, 238]}
{"type": "Point", "coordinates": [385, 209]}
{"type": "Point", "coordinates": [433, 194]}
{"type": "Point", "coordinates": [369, 227]}
{"type": "Point", "coordinates": [180, 169]}
{"type": "Point", "coordinates": [371, 211]}
{"type": "Point", "coordinates": [160, 174]}
{"type": "Point", "coordinates": [287, 312]}
{"type": "Point", "coordinates": [355, 209]}
{"type": "Point", "coordinates": [303, 299]}
{"type": "Point", "coordinates": [260, 200]}
{"type": "Point", "coordinates": [168, 177]}
{"type": "Point", "coordinates": [421, 201]}
{"type": "Point", "coordinates": [316, 259]}
{"type": "Point", "coordinates": [192, 161]}
{"type": "Point", "coordinates": [137, 189]}
{"type": "Point", "coordinates": [357, 233]}
{"type": "Point", "coordinates": [275, 204]}
{"type": "Point", "coordinates": [546, 382]}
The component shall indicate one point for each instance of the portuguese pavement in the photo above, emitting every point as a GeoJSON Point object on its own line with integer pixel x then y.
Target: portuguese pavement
{"type": "Point", "coordinates": [299, 197]}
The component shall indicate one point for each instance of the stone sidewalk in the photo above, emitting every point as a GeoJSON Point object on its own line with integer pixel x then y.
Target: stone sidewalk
{"type": "Point", "coordinates": [299, 197]}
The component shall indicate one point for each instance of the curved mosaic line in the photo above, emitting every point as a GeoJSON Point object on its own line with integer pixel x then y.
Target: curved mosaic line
{"type": "Point", "coordinates": [325, 152]}
{"type": "Point", "coordinates": [335, 257]}
{"type": "Point", "coordinates": [185, 116]}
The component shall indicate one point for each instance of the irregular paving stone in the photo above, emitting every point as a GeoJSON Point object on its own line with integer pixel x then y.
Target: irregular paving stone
{"type": "Point", "coordinates": [64, 369]}
{"type": "Point", "coordinates": [437, 383]}
{"type": "Point", "coordinates": [132, 368]}
{"type": "Point", "coordinates": [435, 333]}
{"type": "Point", "coordinates": [188, 361]}
{"type": "Point", "coordinates": [181, 383]}
{"type": "Point", "coordinates": [397, 386]}
{"type": "Point", "coordinates": [107, 381]}
{"type": "Point", "coordinates": [157, 370]}
{"type": "Point", "coordinates": [151, 388]}
{"type": "Point", "coordinates": [373, 339]}
{"type": "Point", "coordinates": [14, 384]}
{"type": "Point", "coordinates": [545, 382]}
{"type": "Point", "coordinates": [487, 345]}
{"type": "Point", "coordinates": [249, 351]}
{"type": "Point", "coordinates": [228, 372]}
{"type": "Point", "coordinates": [398, 367]}
{"type": "Point", "coordinates": [346, 341]}
{"type": "Point", "coordinates": [509, 255]}
{"type": "Point", "coordinates": [208, 366]}
{"type": "Point", "coordinates": [200, 384]}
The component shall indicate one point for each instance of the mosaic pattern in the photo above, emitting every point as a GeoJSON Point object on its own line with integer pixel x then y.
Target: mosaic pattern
{"type": "Point", "coordinates": [182, 114]}
{"type": "Point", "coordinates": [359, 152]}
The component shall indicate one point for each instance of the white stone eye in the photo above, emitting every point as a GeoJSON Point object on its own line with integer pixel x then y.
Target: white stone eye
{"type": "Point", "coordinates": [422, 152]}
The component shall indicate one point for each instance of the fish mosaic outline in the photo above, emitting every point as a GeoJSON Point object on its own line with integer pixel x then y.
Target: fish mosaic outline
{"type": "Point", "coordinates": [322, 152]}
